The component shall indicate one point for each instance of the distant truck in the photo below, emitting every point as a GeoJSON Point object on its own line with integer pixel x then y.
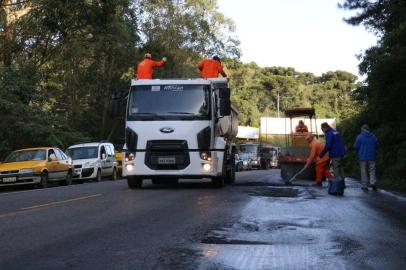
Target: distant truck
{"type": "Point", "coordinates": [261, 156]}
{"type": "Point", "coordinates": [181, 128]}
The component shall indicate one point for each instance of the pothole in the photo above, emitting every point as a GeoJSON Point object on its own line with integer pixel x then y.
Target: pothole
{"type": "Point", "coordinates": [346, 246]}
{"type": "Point", "coordinates": [275, 192]}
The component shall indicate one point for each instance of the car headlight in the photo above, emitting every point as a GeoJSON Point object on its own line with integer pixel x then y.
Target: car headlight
{"type": "Point", "coordinates": [27, 171]}
{"type": "Point", "coordinates": [245, 162]}
{"type": "Point", "coordinates": [89, 164]}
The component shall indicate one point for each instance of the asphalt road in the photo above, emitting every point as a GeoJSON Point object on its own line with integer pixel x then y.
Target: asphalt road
{"type": "Point", "coordinates": [256, 224]}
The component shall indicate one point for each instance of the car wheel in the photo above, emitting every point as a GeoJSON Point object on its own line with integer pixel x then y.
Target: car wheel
{"type": "Point", "coordinates": [98, 176]}
{"type": "Point", "coordinates": [44, 180]}
{"type": "Point", "coordinates": [114, 175]}
{"type": "Point", "coordinates": [68, 180]}
{"type": "Point", "coordinates": [134, 182]}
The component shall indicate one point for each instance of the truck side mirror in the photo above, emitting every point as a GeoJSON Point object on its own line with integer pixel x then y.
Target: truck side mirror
{"type": "Point", "coordinates": [224, 93]}
{"type": "Point", "coordinates": [224, 102]}
{"type": "Point", "coordinates": [114, 105]}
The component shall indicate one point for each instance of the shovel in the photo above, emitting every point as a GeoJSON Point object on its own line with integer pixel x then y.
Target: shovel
{"type": "Point", "coordinates": [293, 177]}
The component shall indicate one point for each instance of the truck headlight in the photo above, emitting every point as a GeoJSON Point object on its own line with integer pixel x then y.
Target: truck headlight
{"type": "Point", "coordinates": [205, 156]}
{"type": "Point", "coordinates": [129, 167]}
{"type": "Point", "coordinates": [129, 156]}
{"type": "Point", "coordinates": [26, 171]}
{"type": "Point", "coordinates": [206, 167]}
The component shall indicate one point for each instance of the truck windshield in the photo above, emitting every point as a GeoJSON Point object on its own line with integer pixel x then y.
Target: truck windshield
{"type": "Point", "coordinates": [82, 152]}
{"type": "Point", "coordinates": [248, 148]}
{"type": "Point", "coordinates": [171, 102]}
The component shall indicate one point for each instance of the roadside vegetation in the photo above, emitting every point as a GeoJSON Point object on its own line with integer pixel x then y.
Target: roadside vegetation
{"type": "Point", "coordinates": [60, 61]}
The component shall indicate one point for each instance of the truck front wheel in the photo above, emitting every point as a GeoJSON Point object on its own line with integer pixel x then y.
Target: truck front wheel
{"type": "Point", "coordinates": [134, 182]}
{"type": "Point", "coordinates": [217, 181]}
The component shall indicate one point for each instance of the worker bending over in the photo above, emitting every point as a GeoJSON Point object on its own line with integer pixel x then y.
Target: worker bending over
{"type": "Point", "coordinates": [301, 127]}
{"type": "Point", "coordinates": [322, 164]}
{"type": "Point", "coordinates": [211, 68]}
{"type": "Point", "coordinates": [145, 68]}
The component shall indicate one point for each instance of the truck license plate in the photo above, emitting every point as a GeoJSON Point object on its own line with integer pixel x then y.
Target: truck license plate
{"type": "Point", "coordinates": [9, 179]}
{"type": "Point", "coordinates": [166, 160]}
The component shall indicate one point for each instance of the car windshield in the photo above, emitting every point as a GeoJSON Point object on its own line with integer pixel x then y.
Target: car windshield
{"type": "Point", "coordinates": [244, 157]}
{"type": "Point", "coordinates": [26, 155]}
{"type": "Point", "coordinates": [172, 102]}
{"type": "Point", "coordinates": [82, 152]}
{"type": "Point", "coordinates": [246, 148]}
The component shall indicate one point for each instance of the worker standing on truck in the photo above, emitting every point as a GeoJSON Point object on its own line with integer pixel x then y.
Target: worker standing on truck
{"type": "Point", "coordinates": [211, 68]}
{"type": "Point", "coordinates": [301, 127]}
{"type": "Point", "coordinates": [322, 164]}
{"type": "Point", "coordinates": [145, 68]}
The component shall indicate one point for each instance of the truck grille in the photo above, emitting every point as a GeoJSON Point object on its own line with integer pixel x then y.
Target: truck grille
{"type": "Point", "coordinates": [176, 150]}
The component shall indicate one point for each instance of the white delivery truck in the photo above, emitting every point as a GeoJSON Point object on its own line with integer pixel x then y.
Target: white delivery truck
{"type": "Point", "coordinates": [179, 128]}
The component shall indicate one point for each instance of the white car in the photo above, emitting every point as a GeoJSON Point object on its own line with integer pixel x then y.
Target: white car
{"type": "Point", "coordinates": [93, 160]}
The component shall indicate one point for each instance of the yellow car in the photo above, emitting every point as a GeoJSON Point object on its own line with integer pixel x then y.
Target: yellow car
{"type": "Point", "coordinates": [119, 159]}
{"type": "Point", "coordinates": [36, 166]}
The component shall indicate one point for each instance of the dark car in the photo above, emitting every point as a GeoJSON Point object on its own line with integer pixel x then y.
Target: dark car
{"type": "Point", "coordinates": [243, 163]}
{"type": "Point", "coordinates": [269, 157]}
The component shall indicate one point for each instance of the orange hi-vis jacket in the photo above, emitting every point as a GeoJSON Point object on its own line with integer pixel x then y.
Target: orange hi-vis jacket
{"type": "Point", "coordinates": [210, 68]}
{"type": "Point", "coordinates": [145, 68]}
{"type": "Point", "coordinates": [315, 148]}
{"type": "Point", "coordinates": [301, 128]}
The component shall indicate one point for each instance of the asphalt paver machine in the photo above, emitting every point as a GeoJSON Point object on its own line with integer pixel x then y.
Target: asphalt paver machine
{"type": "Point", "coordinates": [294, 155]}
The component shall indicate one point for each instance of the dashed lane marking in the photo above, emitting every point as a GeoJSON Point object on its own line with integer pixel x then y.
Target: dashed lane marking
{"type": "Point", "coordinates": [59, 202]}
{"type": "Point", "coordinates": [39, 206]}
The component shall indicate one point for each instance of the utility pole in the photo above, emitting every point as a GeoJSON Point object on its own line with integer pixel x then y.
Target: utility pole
{"type": "Point", "coordinates": [277, 101]}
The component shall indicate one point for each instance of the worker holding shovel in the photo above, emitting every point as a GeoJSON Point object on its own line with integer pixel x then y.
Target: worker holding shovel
{"type": "Point", "coordinates": [322, 164]}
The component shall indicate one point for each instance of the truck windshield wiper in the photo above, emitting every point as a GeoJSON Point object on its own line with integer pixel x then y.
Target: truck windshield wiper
{"type": "Point", "coordinates": [186, 113]}
{"type": "Point", "coordinates": [148, 114]}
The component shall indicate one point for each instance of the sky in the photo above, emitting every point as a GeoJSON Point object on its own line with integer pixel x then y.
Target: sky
{"type": "Point", "coordinates": [308, 35]}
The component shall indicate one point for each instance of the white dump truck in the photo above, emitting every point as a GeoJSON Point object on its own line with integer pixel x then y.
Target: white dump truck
{"type": "Point", "coordinates": [179, 128]}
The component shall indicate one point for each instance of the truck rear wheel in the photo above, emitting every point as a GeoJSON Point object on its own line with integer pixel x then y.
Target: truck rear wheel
{"type": "Point", "coordinates": [230, 176]}
{"type": "Point", "coordinates": [134, 182]}
{"type": "Point", "coordinates": [230, 173]}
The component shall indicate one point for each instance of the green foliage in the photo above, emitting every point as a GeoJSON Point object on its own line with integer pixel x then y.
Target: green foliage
{"type": "Point", "coordinates": [60, 61]}
{"type": "Point", "coordinates": [382, 97]}
{"type": "Point", "coordinates": [256, 91]}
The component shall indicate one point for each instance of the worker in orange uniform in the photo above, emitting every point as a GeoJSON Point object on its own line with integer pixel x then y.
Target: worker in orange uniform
{"type": "Point", "coordinates": [322, 164]}
{"type": "Point", "coordinates": [211, 68]}
{"type": "Point", "coordinates": [145, 68]}
{"type": "Point", "coordinates": [301, 127]}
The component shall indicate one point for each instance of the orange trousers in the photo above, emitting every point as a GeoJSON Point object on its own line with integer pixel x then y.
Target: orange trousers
{"type": "Point", "coordinates": [322, 171]}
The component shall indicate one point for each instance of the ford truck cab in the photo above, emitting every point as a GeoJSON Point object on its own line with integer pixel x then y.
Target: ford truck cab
{"type": "Point", "coordinates": [182, 128]}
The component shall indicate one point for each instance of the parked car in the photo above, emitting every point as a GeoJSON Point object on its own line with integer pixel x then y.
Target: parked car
{"type": "Point", "coordinates": [269, 157]}
{"type": "Point", "coordinates": [93, 160]}
{"type": "Point", "coordinates": [252, 151]}
{"type": "Point", "coordinates": [119, 159]}
{"type": "Point", "coordinates": [244, 163]}
{"type": "Point", "coordinates": [36, 166]}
